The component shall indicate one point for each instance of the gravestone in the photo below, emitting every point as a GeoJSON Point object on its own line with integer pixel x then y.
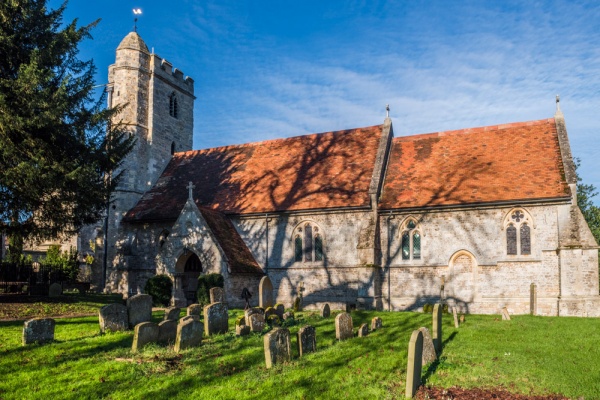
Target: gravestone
{"type": "Point", "coordinates": [429, 354]}
{"type": "Point", "coordinates": [255, 319]}
{"type": "Point", "coordinates": [55, 290]}
{"type": "Point", "coordinates": [279, 310]}
{"type": "Point", "coordinates": [307, 340]}
{"type": "Point", "coordinates": [189, 334]}
{"type": "Point", "coordinates": [533, 299]}
{"type": "Point", "coordinates": [413, 367]}
{"type": "Point", "coordinates": [288, 315]}
{"type": "Point", "coordinates": [455, 314]}
{"type": "Point", "coordinates": [242, 330]}
{"type": "Point", "coordinates": [363, 330]}
{"type": "Point", "coordinates": [437, 328]}
{"type": "Point", "coordinates": [343, 326]}
{"type": "Point", "coordinates": [189, 318]}
{"type": "Point", "coordinates": [217, 295]}
{"type": "Point", "coordinates": [139, 309]}
{"type": "Point", "coordinates": [505, 314]}
{"type": "Point", "coordinates": [270, 311]}
{"type": "Point", "coordinates": [144, 333]}
{"type": "Point", "coordinates": [216, 319]}
{"type": "Point", "coordinates": [194, 309]}
{"type": "Point", "coordinates": [113, 317]}
{"type": "Point", "coordinates": [167, 331]}
{"type": "Point", "coordinates": [40, 330]}
{"type": "Point", "coordinates": [376, 323]}
{"type": "Point", "coordinates": [265, 293]}
{"type": "Point", "coordinates": [277, 347]}
{"type": "Point", "coordinates": [462, 318]}
{"type": "Point", "coordinates": [325, 311]}
{"type": "Point", "coordinates": [172, 313]}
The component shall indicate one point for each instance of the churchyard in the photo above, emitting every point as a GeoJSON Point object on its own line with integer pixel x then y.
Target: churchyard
{"type": "Point", "coordinates": [526, 354]}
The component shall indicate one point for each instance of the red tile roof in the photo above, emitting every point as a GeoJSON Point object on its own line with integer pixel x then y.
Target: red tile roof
{"type": "Point", "coordinates": [512, 162]}
{"type": "Point", "coordinates": [326, 170]}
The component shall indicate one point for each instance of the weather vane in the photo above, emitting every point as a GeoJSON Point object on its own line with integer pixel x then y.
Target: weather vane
{"type": "Point", "coordinates": [136, 11]}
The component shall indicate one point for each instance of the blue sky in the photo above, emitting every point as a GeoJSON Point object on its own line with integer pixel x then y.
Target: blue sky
{"type": "Point", "coordinates": [267, 69]}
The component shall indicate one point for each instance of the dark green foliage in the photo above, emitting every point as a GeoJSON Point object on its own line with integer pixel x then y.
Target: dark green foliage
{"type": "Point", "coordinates": [160, 288]}
{"type": "Point", "coordinates": [205, 283]}
{"type": "Point", "coordinates": [590, 212]}
{"type": "Point", "coordinates": [65, 262]}
{"type": "Point", "coordinates": [55, 153]}
{"type": "Point", "coordinates": [427, 308]}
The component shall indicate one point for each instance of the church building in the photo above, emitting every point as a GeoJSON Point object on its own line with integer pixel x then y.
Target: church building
{"type": "Point", "coordinates": [482, 218]}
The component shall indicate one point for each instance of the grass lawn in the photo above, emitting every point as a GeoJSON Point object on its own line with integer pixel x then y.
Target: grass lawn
{"type": "Point", "coordinates": [537, 355]}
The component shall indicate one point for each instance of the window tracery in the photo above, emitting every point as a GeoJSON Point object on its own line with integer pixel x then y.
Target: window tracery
{"type": "Point", "coordinates": [518, 225]}
{"type": "Point", "coordinates": [411, 240]}
{"type": "Point", "coordinates": [308, 243]}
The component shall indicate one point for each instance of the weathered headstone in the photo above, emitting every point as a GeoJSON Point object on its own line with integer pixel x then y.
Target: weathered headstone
{"type": "Point", "coordinates": [189, 318]}
{"type": "Point", "coordinates": [325, 311]}
{"type": "Point", "coordinates": [113, 317]}
{"type": "Point", "coordinates": [429, 354]}
{"type": "Point", "coordinates": [172, 313]}
{"type": "Point", "coordinates": [376, 323]}
{"type": "Point", "coordinates": [413, 367]}
{"type": "Point", "coordinates": [533, 299]}
{"type": "Point", "coordinates": [307, 340]}
{"type": "Point", "coordinates": [277, 347]}
{"type": "Point", "coordinates": [40, 330]}
{"type": "Point", "coordinates": [189, 334]}
{"type": "Point", "coordinates": [194, 309]}
{"type": "Point", "coordinates": [288, 315]}
{"type": "Point", "coordinates": [505, 314]}
{"type": "Point", "coordinates": [462, 318]}
{"type": "Point", "coordinates": [242, 330]}
{"type": "Point", "coordinates": [265, 293]}
{"type": "Point", "coordinates": [270, 311]}
{"type": "Point", "coordinates": [437, 327]}
{"type": "Point", "coordinates": [216, 319]}
{"type": "Point", "coordinates": [363, 330]}
{"type": "Point", "coordinates": [139, 309]}
{"type": "Point", "coordinates": [279, 310]}
{"type": "Point", "coordinates": [255, 319]}
{"type": "Point", "coordinates": [217, 295]}
{"type": "Point", "coordinates": [55, 290]}
{"type": "Point", "coordinates": [455, 314]}
{"type": "Point", "coordinates": [343, 326]}
{"type": "Point", "coordinates": [144, 333]}
{"type": "Point", "coordinates": [167, 331]}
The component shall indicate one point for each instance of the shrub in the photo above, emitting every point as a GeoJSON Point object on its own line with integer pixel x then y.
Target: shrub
{"type": "Point", "coordinates": [160, 288]}
{"type": "Point", "coordinates": [427, 308]}
{"type": "Point", "coordinates": [64, 263]}
{"type": "Point", "coordinates": [205, 283]}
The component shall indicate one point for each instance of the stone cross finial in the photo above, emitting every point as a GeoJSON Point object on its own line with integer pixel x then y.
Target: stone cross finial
{"type": "Point", "coordinates": [387, 110]}
{"type": "Point", "coordinates": [558, 111]}
{"type": "Point", "coordinates": [190, 186]}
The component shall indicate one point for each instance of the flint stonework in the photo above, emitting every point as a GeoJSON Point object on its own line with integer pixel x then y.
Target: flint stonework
{"type": "Point", "coordinates": [429, 354]}
{"type": "Point", "coordinates": [265, 293]}
{"type": "Point", "coordinates": [343, 326]}
{"type": "Point", "coordinates": [217, 295]}
{"type": "Point", "coordinates": [139, 309]}
{"type": "Point", "coordinates": [167, 331]}
{"type": "Point", "coordinates": [189, 334]}
{"type": "Point", "coordinates": [40, 330]}
{"type": "Point", "coordinates": [144, 333]}
{"type": "Point", "coordinates": [307, 340]}
{"type": "Point", "coordinates": [113, 317]}
{"type": "Point", "coordinates": [413, 367]}
{"type": "Point", "coordinates": [216, 319]}
{"type": "Point", "coordinates": [172, 313]}
{"type": "Point", "coordinates": [277, 347]}
{"type": "Point", "coordinates": [325, 311]}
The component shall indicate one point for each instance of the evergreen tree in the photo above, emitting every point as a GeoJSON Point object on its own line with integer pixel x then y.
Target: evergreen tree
{"type": "Point", "coordinates": [57, 147]}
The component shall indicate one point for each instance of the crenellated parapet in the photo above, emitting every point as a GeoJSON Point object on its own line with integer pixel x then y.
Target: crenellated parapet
{"type": "Point", "coordinates": [164, 70]}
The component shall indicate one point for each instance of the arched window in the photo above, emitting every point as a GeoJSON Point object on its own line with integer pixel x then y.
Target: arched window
{"type": "Point", "coordinates": [411, 240]}
{"type": "Point", "coordinates": [518, 232]}
{"type": "Point", "coordinates": [308, 243]}
{"type": "Point", "coordinates": [173, 106]}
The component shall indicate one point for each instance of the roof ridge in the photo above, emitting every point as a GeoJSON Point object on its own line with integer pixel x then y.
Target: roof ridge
{"type": "Point", "coordinates": [474, 130]}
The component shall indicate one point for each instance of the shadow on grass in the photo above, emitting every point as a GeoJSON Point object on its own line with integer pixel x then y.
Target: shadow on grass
{"type": "Point", "coordinates": [434, 365]}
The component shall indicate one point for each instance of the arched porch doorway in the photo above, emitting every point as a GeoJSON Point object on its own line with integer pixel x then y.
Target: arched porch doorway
{"type": "Point", "coordinates": [187, 271]}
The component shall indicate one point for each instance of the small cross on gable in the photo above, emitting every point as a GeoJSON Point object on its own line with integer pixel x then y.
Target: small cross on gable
{"type": "Point", "coordinates": [190, 187]}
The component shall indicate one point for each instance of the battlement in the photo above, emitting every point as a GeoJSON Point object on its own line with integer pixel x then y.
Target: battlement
{"type": "Point", "coordinates": [164, 69]}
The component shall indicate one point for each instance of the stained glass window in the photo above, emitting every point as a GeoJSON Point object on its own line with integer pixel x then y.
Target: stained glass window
{"type": "Point", "coordinates": [308, 245]}
{"type": "Point", "coordinates": [511, 240]}
{"type": "Point", "coordinates": [318, 247]}
{"type": "Point", "coordinates": [525, 239]}
{"type": "Point", "coordinates": [416, 246]}
{"type": "Point", "coordinates": [405, 246]}
{"type": "Point", "coordinates": [298, 248]}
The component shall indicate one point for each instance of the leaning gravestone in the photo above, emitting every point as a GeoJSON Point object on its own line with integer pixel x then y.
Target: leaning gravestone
{"type": "Point", "coordinates": [144, 333]}
{"type": "Point", "coordinates": [255, 319]}
{"type": "Point", "coordinates": [376, 323]}
{"type": "Point", "coordinates": [139, 309]}
{"type": "Point", "coordinates": [217, 295]}
{"type": "Point", "coordinates": [413, 367]}
{"type": "Point", "coordinates": [343, 326]}
{"type": "Point", "coordinates": [437, 328]}
{"type": "Point", "coordinates": [113, 317]}
{"type": "Point", "coordinates": [55, 290]}
{"type": "Point", "coordinates": [167, 331]}
{"type": "Point", "coordinates": [194, 309]}
{"type": "Point", "coordinates": [189, 334]}
{"type": "Point", "coordinates": [216, 319]}
{"type": "Point", "coordinates": [40, 330]}
{"type": "Point", "coordinates": [277, 347]}
{"type": "Point", "coordinates": [429, 355]}
{"type": "Point", "coordinates": [505, 314]}
{"type": "Point", "coordinates": [325, 311]}
{"type": "Point", "coordinates": [363, 330]}
{"type": "Point", "coordinates": [307, 340]}
{"type": "Point", "coordinates": [455, 314]}
{"type": "Point", "coordinates": [172, 313]}
{"type": "Point", "coordinates": [265, 293]}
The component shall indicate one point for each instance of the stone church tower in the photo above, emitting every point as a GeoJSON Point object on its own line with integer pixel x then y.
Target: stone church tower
{"type": "Point", "coordinates": [158, 104]}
